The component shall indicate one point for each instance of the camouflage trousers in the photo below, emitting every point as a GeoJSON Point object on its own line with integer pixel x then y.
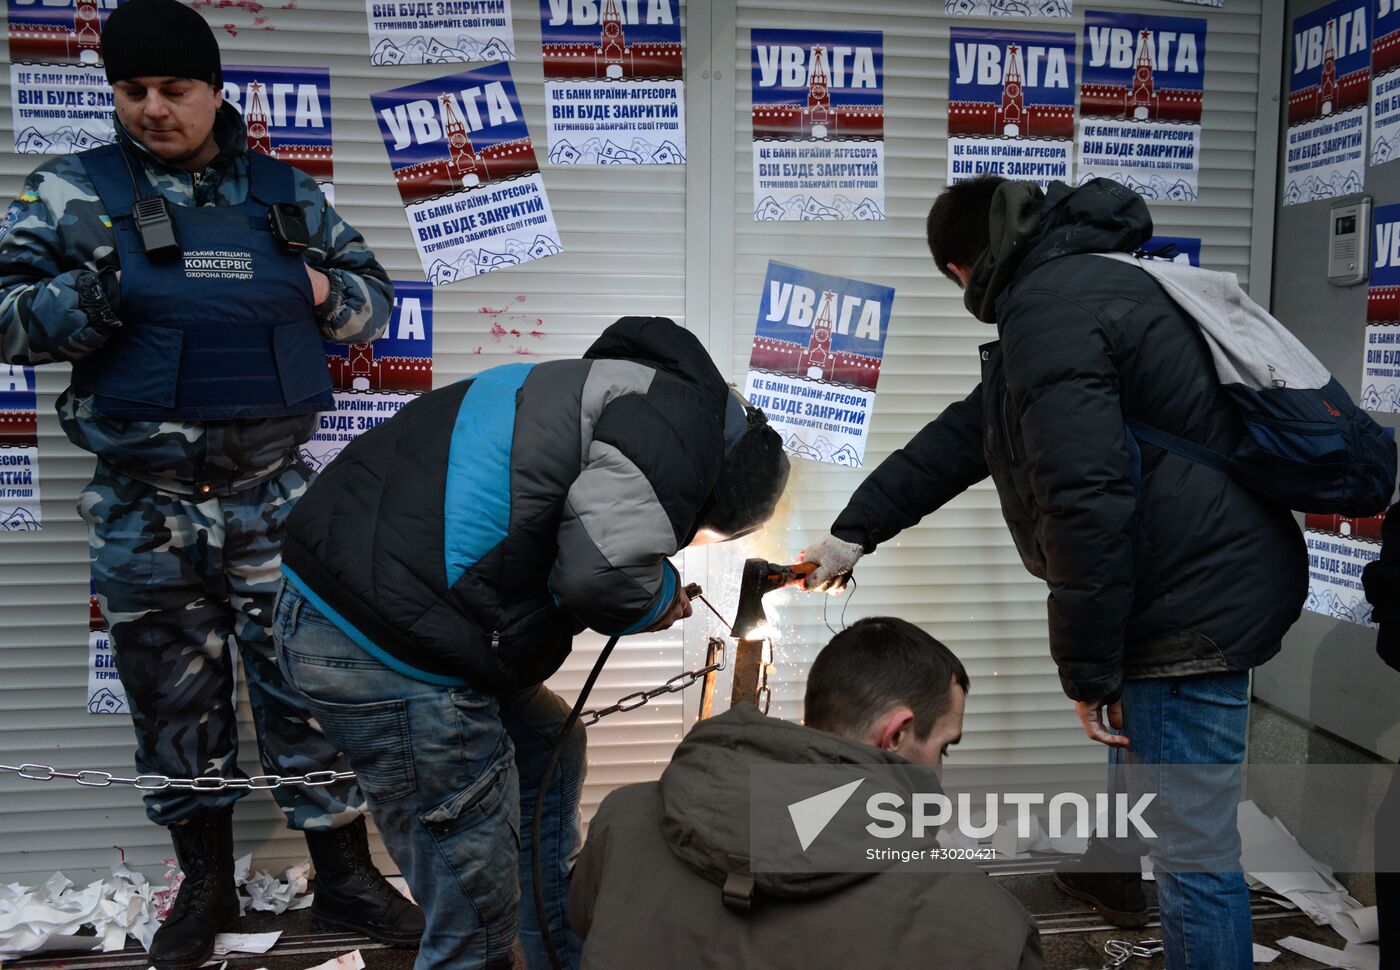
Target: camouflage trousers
{"type": "Point", "coordinates": [176, 576]}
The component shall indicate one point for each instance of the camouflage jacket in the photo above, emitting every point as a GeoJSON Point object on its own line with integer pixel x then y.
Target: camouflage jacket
{"type": "Point", "coordinates": [59, 296]}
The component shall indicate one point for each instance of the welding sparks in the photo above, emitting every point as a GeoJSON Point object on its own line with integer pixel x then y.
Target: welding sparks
{"type": "Point", "coordinates": [764, 631]}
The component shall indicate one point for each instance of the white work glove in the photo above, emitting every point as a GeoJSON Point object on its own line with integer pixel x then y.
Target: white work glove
{"type": "Point", "coordinates": [835, 558]}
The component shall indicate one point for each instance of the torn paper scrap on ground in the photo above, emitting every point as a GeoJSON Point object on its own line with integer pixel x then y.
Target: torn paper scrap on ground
{"type": "Point", "coordinates": [49, 918]}
{"type": "Point", "coordinates": [1358, 925]}
{"type": "Point", "coordinates": [267, 893]}
{"type": "Point", "coordinates": [1264, 954]}
{"type": "Point", "coordinates": [346, 961]}
{"type": "Point", "coordinates": [245, 942]}
{"type": "Point", "coordinates": [1357, 956]}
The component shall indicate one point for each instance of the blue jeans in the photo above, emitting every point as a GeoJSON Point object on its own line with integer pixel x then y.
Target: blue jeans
{"type": "Point", "coordinates": [451, 775]}
{"type": "Point", "coordinates": [1195, 721]}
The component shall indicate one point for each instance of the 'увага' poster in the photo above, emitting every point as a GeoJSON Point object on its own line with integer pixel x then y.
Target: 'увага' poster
{"type": "Point", "coordinates": [373, 381]}
{"type": "Point", "coordinates": [1380, 376]}
{"type": "Point", "coordinates": [288, 114]}
{"type": "Point", "coordinates": [1009, 8]}
{"type": "Point", "coordinates": [818, 124]}
{"type": "Point", "coordinates": [816, 360]}
{"type": "Point", "coordinates": [59, 96]}
{"type": "Point", "coordinates": [466, 171]}
{"type": "Point", "coordinates": [1339, 548]}
{"type": "Point", "coordinates": [1010, 105]}
{"type": "Point", "coordinates": [1140, 103]}
{"type": "Point", "coordinates": [19, 451]}
{"type": "Point", "coordinates": [1328, 84]}
{"type": "Point", "coordinates": [613, 89]}
{"type": "Point", "coordinates": [439, 31]}
{"type": "Point", "coordinates": [1385, 82]}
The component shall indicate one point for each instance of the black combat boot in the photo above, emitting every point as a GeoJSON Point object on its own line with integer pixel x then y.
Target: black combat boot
{"type": "Point", "coordinates": [351, 894]}
{"type": "Point", "coordinates": [1117, 896]}
{"type": "Point", "coordinates": [207, 902]}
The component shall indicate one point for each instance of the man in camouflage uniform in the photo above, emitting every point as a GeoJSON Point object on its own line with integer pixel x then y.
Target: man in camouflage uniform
{"type": "Point", "coordinates": [196, 437]}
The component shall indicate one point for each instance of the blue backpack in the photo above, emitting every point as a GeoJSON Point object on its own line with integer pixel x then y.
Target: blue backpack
{"type": "Point", "coordinates": [1308, 446]}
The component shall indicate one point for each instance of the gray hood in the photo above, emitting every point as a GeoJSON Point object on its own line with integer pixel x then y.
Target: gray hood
{"type": "Point", "coordinates": [704, 793]}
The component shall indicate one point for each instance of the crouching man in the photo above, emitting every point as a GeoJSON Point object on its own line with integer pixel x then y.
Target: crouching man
{"type": "Point", "coordinates": [438, 570]}
{"type": "Point", "coordinates": [647, 887]}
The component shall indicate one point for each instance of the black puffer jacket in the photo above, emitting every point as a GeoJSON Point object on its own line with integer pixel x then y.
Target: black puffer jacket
{"type": "Point", "coordinates": [1157, 567]}
{"type": "Point", "coordinates": [469, 537]}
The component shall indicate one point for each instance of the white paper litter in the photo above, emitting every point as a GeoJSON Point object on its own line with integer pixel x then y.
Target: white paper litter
{"type": "Point", "coordinates": [49, 918]}
{"type": "Point", "coordinates": [1264, 954]}
{"type": "Point", "coordinates": [245, 942]}
{"type": "Point", "coordinates": [1358, 925]}
{"type": "Point", "coordinates": [271, 894]}
{"type": "Point", "coordinates": [346, 961]}
{"type": "Point", "coordinates": [1357, 956]}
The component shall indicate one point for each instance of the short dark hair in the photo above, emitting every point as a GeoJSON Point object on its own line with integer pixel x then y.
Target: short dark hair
{"type": "Point", "coordinates": [876, 664]}
{"type": "Point", "coordinates": [751, 481]}
{"type": "Point", "coordinates": [957, 222]}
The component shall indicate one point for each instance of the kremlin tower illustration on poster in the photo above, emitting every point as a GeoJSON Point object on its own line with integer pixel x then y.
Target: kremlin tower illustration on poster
{"type": "Point", "coordinates": [612, 57]}
{"type": "Point", "coordinates": [314, 159]}
{"type": "Point", "coordinates": [815, 359]}
{"type": "Point", "coordinates": [462, 166]}
{"type": "Point", "coordinates": [1011, 117]}
{"type": "Point", "coordinates": [818, 118]}
{"type": "Point", "coordinates": [1139, 97]}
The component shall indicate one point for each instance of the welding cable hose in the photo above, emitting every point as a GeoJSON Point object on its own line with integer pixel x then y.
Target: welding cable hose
{"type": "Point", "coordinates": [541, 916]}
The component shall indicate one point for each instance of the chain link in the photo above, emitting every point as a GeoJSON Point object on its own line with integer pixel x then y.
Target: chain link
{"type": "Point", "coordinates": [1119, 952]}
{"type": "Point", "coordinates": [641, 698]}
{"type": "Point", "coordinates": [91, 778]}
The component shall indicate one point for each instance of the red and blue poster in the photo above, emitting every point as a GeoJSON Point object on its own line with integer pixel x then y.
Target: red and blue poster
{"type": "Point", "coordinates": [1178, 249]}
{"type": "Point", "coordinates": [1385, 82]}
{"type": "Point", "coordinates": [1380, 376]}
{"type": "Point", "coordinates": [440, 31]}
{"type": "Point", "coordinates": [613, 86]}
{"type": "Point", "coordinates": [19, 451]}
{"type": "Point", "coordinates": [1328, 86]}
{"type": "Point", "coordinates": [466, 171]}
{"type": "Point", "coordinates": [59, 97]}
{"type": "Point", "coordinates": [106, 695]}
{"type": "Point", "coordinates": [1140, 103]}
{"type": "Point", "coordinates": [373, 381]}
{"type": "Point", "coordinates": [288, 114]}
{"type": "Point", "coordinates": [1339, 548]}
{"type": "Point", "coordinates": [818, 124]}
{"type": "Point", "coordinates": [816, 358]}
{"type": "Point", "coordinates": [1010, 105]}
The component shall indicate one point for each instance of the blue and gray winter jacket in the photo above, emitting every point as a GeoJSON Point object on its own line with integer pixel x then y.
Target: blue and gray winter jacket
{"type": "Point", "coordinates": [471, 536]}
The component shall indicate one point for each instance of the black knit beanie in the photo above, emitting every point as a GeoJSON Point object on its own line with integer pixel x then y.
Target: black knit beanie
{"type": "Point", "coordinates": [159, 38]}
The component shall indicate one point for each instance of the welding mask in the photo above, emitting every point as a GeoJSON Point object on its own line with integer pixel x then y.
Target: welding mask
{"type": "Point", "coordinates": [752, 478]}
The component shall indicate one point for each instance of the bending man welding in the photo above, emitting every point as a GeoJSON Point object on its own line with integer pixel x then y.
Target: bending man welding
{"type": "Point", "coordinates": [439, 569]}
{"type": "Point", "coordinates": [1168, 579]}
{"type": "Point", "coordinates": [190, 282]}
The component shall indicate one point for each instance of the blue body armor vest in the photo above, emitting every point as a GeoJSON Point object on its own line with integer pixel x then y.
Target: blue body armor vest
{"type": "Point", "coordinates": [226, 330]}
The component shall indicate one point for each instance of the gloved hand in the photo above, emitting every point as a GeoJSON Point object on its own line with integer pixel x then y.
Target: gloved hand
{"type": "Point", "coordinates": [835, 559]}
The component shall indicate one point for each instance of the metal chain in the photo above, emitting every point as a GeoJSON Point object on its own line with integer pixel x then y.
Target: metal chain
{"type": "Point", "coordinates": [640, 699]}
{"type": "Point", "coordinates": [765, 664]}
{"type": "Point", "coordinates": [90, 778]}
{"type": "Point", "coordinates": [1120, 952]}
